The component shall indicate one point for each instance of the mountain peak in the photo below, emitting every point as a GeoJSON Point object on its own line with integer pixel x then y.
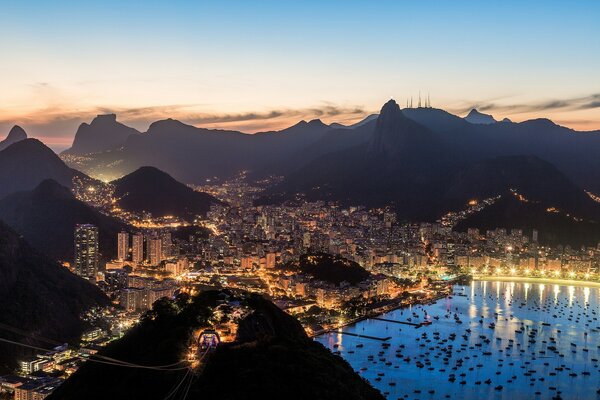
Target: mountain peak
{"type": "Point", "coordinates": [390, 107]}
{"type": "Point", "coordinates": [16, 134]}
{"type": "Point", "coordinates": [104, 118]}
{"type": "Point", "coordinates": [316, 122]}
{"type": "Point", "coordinates": [476, 117]}
{"type": "Point", "coordinates": [103, 133]}
{"type": "Point", "coordinates": [396, 134]}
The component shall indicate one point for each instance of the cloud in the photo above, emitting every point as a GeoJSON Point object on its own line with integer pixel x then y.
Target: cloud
{"type": "Point", "coordinates": [572, 104]}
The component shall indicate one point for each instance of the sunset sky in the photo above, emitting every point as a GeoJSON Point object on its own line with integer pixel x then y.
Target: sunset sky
{"type": "Point", "coordinates": [267, 64]}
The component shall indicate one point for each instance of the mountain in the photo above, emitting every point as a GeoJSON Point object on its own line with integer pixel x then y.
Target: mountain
{"type": "Point", "coordinates": [38, 297]}
{"type": "Point", "coordinates": [103, 133]}
{"type": "Point", "coordinates": [554, 226]}
{"type": "Point", "coordinates": [46, 217]}
{"type": "Point", "coordinates": [151, 190]}
{"type": "Point", "coordinates": [364, 121]}
{"type": "Point", "coordinates": [475, 117]}
{"type": "Point", "coordinates": [271, 357]}
{"type": "Point", "coordinates": [398, 137]}
{"type": "Point", "coordinates": [192, 154]}
{"type": "Point", "coordinates": [397, 163]}
{"type": "Point", "coordinates": [539, 137]}
{"type": "Point", "coordinates": [25, 164]}
{"type": "Point", "coordinates": [531, 177]}
{"type": "Point", "coordinates": [16, 134]}
{"type": "Point", "coordinates": [426, 172]}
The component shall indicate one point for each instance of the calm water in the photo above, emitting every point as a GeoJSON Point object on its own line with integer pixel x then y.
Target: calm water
{"type": "Point", "coordinates": [544, 345]}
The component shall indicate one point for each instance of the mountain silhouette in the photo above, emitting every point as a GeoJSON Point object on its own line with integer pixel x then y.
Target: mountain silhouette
{"type": "Point", "coordinates": [398, 137]}
{"type": "Point", "coordinates": [46, 217]}
{"type": "Point", "coordinates": [151, 190]}
{"type": "Point", "coordinates": [554, 228]}
{"type": "Point", "coordinates": [26, 163]}
{"type": "Point", "coordinates": [425, 172]}
{"type": "Point", "coordinates": [103, 133]}
{"type": "Point", "coordinates": [475, 117]}
{"type": "Point", "coordinates": [192, 154]}
{"type": "Point", "coordinates": [16, 134]}
{"type": "Point", "coordinates": [40, 297]}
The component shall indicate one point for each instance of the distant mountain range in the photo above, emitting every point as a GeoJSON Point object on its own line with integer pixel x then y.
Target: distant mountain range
{"type": "Point", "coordinates": [151, 190]}
{"type": "Point", "coordinates": [424, 161]}
{"type": "Point", "coordinates": [192, 155]}
{"type": "Point", "coordinates": [46, 217]}
{"type": "Point", "coordinates": [425, 171]}
{"type": "Point", "coordinates": [38, 297]}
{"type": "Point", "coordinates": [271, 358]}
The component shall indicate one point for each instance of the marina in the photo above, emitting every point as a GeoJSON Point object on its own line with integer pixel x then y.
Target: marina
{"type": "Point", "coordinates": [488, 340]}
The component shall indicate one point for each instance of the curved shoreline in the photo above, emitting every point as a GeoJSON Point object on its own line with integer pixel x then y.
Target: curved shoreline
{"type": "Point", "coordinates": [548, 281]}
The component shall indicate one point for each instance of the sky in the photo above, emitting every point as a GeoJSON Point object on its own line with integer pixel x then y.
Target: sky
{"type": "Point", "coordinates": [260, 65]}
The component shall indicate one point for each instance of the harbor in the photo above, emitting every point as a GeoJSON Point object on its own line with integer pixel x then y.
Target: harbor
{"type": "Point", "coordinates": [487, 340]}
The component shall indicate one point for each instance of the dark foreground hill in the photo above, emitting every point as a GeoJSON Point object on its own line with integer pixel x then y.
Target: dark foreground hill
{"type": "Point", "coordinates": [271, 358]}
{"type": "Point", "coordinates": [39, 297]}
{"type": "Point", "coordinates": [151, 190]}
{"type": "Point", "coordinates": [46, 216]}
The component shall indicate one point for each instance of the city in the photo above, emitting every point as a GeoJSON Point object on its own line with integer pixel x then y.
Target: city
{"type": "Point", "coordinates": [311, 200]}
{"type": "Point", "coordinates": [259, 249]}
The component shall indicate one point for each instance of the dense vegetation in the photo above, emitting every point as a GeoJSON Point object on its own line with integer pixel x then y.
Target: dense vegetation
{"type": "Point", "coordinates": [329, 268]}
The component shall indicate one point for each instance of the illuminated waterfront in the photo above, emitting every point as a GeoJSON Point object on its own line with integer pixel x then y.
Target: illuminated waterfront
{"type": "Point", "coordinates": [495, 340]}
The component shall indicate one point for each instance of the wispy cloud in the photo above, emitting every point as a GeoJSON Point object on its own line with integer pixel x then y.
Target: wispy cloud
{"type": "Point", "coordinates": [571, 104]}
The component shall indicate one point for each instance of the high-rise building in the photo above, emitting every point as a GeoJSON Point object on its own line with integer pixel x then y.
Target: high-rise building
{"type": "Point", "coordinates": [167, 245]}
{"type": "Point", "coordinates": [86, 251]}
{"type": "Point", "coordinates": [137, 248]}
{"type": "Point", "coordinates": [155, 251]}
{"type": "Point", "coordinates": [122, 246]}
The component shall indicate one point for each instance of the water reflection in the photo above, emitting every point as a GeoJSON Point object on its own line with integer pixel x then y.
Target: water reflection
{"type": "Point", "coordinates": [505, 343]}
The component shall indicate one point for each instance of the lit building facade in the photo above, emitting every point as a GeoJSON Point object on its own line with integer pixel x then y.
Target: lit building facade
{"type": "Point", "coordinates": [86, 251]}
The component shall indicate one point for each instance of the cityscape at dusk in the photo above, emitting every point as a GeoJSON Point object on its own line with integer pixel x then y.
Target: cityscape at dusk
{"type": "Point", "coordinates": [300, 200]}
